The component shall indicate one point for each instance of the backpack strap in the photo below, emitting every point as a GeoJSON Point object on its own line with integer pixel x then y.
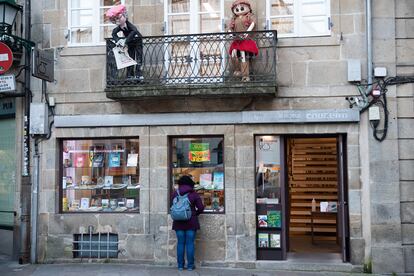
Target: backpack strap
{"type": "Point", "coordinates": [179, 195]}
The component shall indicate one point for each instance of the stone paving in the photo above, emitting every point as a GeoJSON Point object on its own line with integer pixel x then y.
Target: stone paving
{"type": "Point", "coordinates": [8, 267]}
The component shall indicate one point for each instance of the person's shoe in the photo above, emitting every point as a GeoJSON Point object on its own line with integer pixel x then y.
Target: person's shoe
{"type": "Point", "coordinates": [190, 269]}
{"type": "Point", "coordinates": [180, 269]}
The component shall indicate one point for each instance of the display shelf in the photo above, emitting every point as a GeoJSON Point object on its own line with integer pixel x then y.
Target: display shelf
{"type": "Point", "coordinates": [97, 187]}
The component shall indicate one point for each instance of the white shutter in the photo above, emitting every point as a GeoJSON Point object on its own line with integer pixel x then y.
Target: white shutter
{"type": "Point", "coordinates": [314, 17]}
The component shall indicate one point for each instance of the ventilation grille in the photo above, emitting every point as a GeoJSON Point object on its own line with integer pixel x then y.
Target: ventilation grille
{"type": "Point", "coordinates": [99, 245]}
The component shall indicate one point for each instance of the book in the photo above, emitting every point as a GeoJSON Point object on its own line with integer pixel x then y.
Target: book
{"type": "Point", "coordinates": [109, 181]}
{"type": "Point", "coordinates": [332, 207]}
{"type": "Point", "coordinates": [323, 206]}
{"type": "Point", "coordinates": [263, 240]}
{"type": "Point", "coordinates": [130, 203]}
{"type": "Point", "coordinates": [218, 180]}
{"type": "Point", "coordinates": [205, 180]}
{"type": "Point", "coordinates": [105, 203]}
{"type": "Point", "coordinates": [132, 160]}
{"type": "Point", "coordinates": [67, 159]}
{"type": "Point", "coordinates": [84, 203]}
{"type": "Point", "coordinates": [80, 160]}
{"type": "Point", "coordinates": [85, 180]}
{"type": "Point", "coordinates": [262, 220]}
{"type": "Point", "coordinates": [114, 159]}
{"type": "Point", "coordinates": [98, 160]}
{"type": "Point", "coordinates": [64, 182]}
{"type": "Point", "coordinates": [274, 219]}
{"type": "Point", "coordinates": [75, 204]}
{"type": "Point", "coordinates": [274, 240]}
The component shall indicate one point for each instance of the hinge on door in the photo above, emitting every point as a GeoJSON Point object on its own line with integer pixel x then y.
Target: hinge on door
{"type": "Point", "coordinates": [330, 23]}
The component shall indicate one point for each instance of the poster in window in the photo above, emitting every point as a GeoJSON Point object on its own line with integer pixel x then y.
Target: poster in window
{"type": "Point", "coordinates": [98, 160]}
{"type": "Point", "coordinates": [205, 180]}
{"type": "Point", "coordinates": [114, 159]}
{"type": "Point", "coordinates": [199, 152]}
{"type": "Point", "coordinates": [218, 180]}
{"type": "Point", "coordinates": [132, 160]}
{"type": "Point", "coordinates": [262, 220]}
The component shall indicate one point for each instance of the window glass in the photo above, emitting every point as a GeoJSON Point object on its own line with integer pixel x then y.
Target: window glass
{"type": "Point", "coordinates": [211, 6]}
{"type": "Point", "coordinates": [202, 159]}
{"type": "Point", "coordinates": [299, 17]}
{"type": "Point", "coordinates": [87, 21]}
{"type": "Point", "coordinates": [178, 6]}
{"type": "Point", "coordinates": [268, 169]}
{"type": "Point", "coordinates": [100, 175]}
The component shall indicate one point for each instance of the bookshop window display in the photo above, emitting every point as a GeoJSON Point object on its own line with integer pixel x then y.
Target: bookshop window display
{"type": "Point", "coordinates": [100, 175]}
{"type": "Point", "coordinates": [202, 159]}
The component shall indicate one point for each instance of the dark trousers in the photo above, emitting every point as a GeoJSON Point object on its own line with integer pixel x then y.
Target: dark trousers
{"type": "Point", "coordinates": [135, 51]}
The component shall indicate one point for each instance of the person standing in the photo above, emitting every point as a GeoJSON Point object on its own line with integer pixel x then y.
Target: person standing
{"type": "Point", "coordinates": [186, 230]}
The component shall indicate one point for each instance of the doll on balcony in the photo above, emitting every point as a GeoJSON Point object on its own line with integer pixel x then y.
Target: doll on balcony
{"type": "Point", "coordinates": [132, 38]}
{"type": "Point", "coordinates": [243, 47]}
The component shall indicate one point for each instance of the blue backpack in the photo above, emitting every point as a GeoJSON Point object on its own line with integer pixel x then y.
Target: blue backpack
{"type": "Point", "coordinates": [181, 208]}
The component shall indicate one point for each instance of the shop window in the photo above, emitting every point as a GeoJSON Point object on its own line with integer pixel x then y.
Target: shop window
{"type": "Point", "coordinates": [100, 175]}
{"type": "Point", "coordinates": [299, 18]}
{"type": "Point", "coordinates": [201, 158]}
{"type": "Point", "coordinates": [88, 24]}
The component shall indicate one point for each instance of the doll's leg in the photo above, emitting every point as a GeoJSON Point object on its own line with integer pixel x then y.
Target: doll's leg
{"type": "Point", "coordinates": [139, 53]}
{"type": "Point", "coordinates": [244, 66]}
{"type": "Point", "coordinates": [235, 63]}
{"type": "Point", "coordinates": [131, 53]}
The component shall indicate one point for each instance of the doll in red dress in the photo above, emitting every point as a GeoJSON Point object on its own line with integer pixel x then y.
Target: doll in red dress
{"type": "Point", "coordinates": [243, 20]}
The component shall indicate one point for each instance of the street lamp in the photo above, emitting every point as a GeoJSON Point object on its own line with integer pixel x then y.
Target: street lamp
{"type": "Point", "coordinates": [8, 13]}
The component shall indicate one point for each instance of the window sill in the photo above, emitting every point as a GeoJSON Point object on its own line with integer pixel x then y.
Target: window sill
{"type": "Point", "coordinates": [331, 40]}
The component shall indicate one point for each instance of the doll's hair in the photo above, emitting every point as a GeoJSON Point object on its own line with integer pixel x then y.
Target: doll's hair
{"type": "Point", "coordinates": [239, 2]}
{"type": "Point", "coordinates": [115, 11]}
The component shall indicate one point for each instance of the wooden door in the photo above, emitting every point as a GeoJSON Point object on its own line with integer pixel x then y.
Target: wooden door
{"type": "Point", "coordinates": [343, 222]}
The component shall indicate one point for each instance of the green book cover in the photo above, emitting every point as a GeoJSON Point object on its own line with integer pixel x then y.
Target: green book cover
{"type": "Point", "coordinates": [274, 219]}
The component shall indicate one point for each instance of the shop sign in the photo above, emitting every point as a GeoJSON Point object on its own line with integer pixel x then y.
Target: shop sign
{"type": "Point", "coordinates": [7, 107]}
{"type": "Point", "coordinates": [7, 83]}
{"type": "Point", "coordinates": [199, 152]}
{"type": "Point", "coordinates": [43, 64]}
{"type": "Point", "coordinates": [6, 58]}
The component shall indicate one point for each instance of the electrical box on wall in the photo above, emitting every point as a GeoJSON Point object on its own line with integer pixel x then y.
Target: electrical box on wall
{"type": "Point", "coordinates": [354, 70]}
{"type": "Point", "coordinates": [39, 123]}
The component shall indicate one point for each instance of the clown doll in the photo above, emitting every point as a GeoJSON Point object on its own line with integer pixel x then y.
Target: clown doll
{"type": "Point", "coordinates": [243, 20]}
{"type": "Point", "coordinates": [132, 38]}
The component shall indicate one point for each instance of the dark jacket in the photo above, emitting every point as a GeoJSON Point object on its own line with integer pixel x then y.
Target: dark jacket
{"type": "Point", "coordinates": [130, 32]}
{"type": "Point", "coordinates": [197, 208]}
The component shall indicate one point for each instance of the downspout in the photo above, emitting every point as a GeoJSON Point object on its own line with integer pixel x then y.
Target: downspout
{"type": "Point", "coordinates": [364, 145]}
{"type": "Point", "coordinates": [25, 192]}
{"type": "Point", "coordinates": [35, 204]}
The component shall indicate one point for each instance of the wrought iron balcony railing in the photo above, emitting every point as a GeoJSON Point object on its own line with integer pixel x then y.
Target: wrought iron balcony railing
{"type": "Point", "coordinates": [197, 59]}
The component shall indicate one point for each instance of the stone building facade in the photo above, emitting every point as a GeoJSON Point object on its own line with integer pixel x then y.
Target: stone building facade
{"type": "Point", "coordinates": [311, 76]}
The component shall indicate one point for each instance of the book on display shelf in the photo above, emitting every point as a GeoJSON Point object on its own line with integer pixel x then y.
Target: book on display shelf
{"type": "Point", "coordinates": [263, 240]}
{"type": "Point", "coordinates": [274, 219]}
{"type": "Point", "coordinates": [262, 220]}
{"type": "Point", "coordinates": [274, 240]}
{"type": "Point", "coordinates": [218, 180]}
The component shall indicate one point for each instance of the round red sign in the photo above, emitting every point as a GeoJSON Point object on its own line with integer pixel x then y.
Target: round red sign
{"type": "Point", "coordinates": [6, 58]}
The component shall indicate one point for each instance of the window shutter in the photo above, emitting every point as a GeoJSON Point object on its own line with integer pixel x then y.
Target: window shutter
{"type": "Point", "coordinates": [314, 17]}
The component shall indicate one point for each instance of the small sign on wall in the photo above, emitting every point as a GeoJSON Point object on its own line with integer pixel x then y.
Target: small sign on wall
{"type": "Point", "coordinates": [7, 83]}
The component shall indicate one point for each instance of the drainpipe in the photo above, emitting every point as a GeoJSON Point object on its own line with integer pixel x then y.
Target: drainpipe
{"type": "Point", "coordinates": [365, 145]}
{"type": "Point", "coordinates": [35, 200]}
{"type": "Point", "coordinates": [25, 192]}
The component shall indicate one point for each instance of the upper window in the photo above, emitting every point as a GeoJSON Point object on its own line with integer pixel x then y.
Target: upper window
{"type": "Point", "coordinates": [88, 24]}
{"type": "Point", "coordinates": [296, 18]}
{"type": "Point", "coordinates": [100, 175]}
{"type": "Point", "coordinates": [202, 159]}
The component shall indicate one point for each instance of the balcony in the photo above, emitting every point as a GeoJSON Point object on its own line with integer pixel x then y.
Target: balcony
{"type": "Point", "coordinates": [196, 65]}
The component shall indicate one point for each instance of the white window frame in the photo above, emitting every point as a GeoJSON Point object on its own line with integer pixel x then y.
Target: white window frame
{"type": "Point", "coordinates": [298, 18]}
{"type": "Point", "coordinates": [194, 14]}
{"type": "Point", "coordinates": [96, 25]}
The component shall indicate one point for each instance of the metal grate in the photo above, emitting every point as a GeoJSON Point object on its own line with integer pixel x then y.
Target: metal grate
{"type": "Point", "coordinates": [99, 245]}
